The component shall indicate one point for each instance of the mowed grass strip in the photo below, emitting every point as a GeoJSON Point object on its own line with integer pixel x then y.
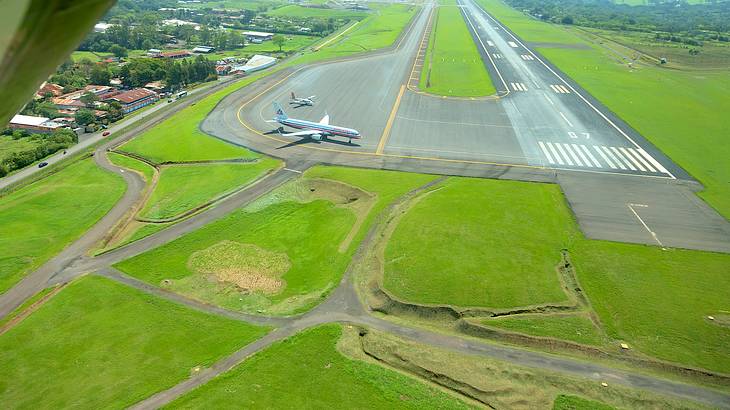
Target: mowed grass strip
{"type": "Point", "coordinates": [567, 402]}
{"type": "Point", "coordinates": [683, 113]}
{"type": "Point", "coordinates": [39, 220]}
{"type": "Point", "coordinates": [659, 300]}
{"type": "Point", "coordinates": [100, 344]}
{"type": "Point", "coordinates": [184, 187]}
{"type": "Point", "coordinates": [293, 10]}
{"type": "Point", "coordinates": [575, 328]}
{"type": "Point", "coordinates": [453, 66]}
{"type": "Point", "coordinates": [474, 243]}
{"type": "Point", "coordinates": [307, 371]}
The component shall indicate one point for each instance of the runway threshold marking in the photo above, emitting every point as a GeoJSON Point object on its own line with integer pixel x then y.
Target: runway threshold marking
{"type": "Point", "coordinates": [391, 119]}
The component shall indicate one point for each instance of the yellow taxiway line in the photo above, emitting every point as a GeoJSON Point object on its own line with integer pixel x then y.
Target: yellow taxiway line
{"type": "Point", "coordinates": [389, 124]}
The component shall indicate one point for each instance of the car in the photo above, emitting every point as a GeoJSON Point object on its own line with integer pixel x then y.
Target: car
{"type": "Point", "coordinates": [105, 133]}
{"type": "Point", "coordinates": [42, 164]}
{"type": "Point", "coordinates": [170, 100]}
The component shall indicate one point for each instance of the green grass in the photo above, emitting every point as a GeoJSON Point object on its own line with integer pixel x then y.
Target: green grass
{"type": "Point", "coordinates": [576, 328]}
{"type": "Point", "coordinates": [182, 188]}
{"type": "Point", "coordinates": [307, 371]}
{"type": "Point", "coordinates": [565, 402]}
{"type": "Point", "coordinates": [179, 139]}
{"type": "Point", "coordinates": [378, 30]}
{"type": "Point", "coordinates": [100, 344]}
{"type": "Point", "coordinates": [132, 164]}
{"type": "Point", "coordinates": [39, 220]}
{"type": "Point", "coordinates": [293, 10]}
{"type": "Point", "coordinates": [28, 302]}
{"type": "Point", "coordinates": [465, 245]}
{"type": "Point", "coordinates": [308, 233]}
{"type": "Point", "coordinates": [9, 146]}
{"type": "Point", "coordinates": [293, 43]}
{"type": "Point", "coordinates": [683, 113]}
{"type": "Point", "coordinates": [453, 65]}
{"type": "Point", "coordinates": [659, 300]}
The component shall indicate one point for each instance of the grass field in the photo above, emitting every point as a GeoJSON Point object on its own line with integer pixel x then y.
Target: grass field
{"type": "Point", "coordinates": [39, 220]}
{"type": "Point", "coordinates": [293, 10]}
{"type": "Point", "coordinates": [378, 30]}
{"type": "Point", "coordinates": [132, 164]}
{"type": "Point", "coordinates": [308, 234]}
{"type": "Point", "coordinates": [179, 139]}
{"type": "Point", "coordinates": [453, 65]}
{"type": "Point", "coordinates": [575, 328]}
{"type": "Point", "coordinates": [468, 244]}
{"type": "Point", "coordinates": [182, 188]}
{"type": "Point", "coordinates": [99, 344]}
{"type": "Point", "coordinates": [659, 300]}
{"type": "Point", "coordinates": [491, 264]}
{"type": "Point", "coordinates": [565, 402]}
{"type": "Point", "coordinates": [307, 371]}
{"type": "Point", "coordinates": [682, 112]}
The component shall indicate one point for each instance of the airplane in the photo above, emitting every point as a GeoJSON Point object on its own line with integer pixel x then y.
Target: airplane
{"type": "Point", "coordinates": [302, 101]}
{"type": "Point", "coordinates": [314, 130]}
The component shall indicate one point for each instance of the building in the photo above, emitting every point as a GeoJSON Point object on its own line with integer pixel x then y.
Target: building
{"type": "Point", "coordinates": [49, 88]}
{"type": "Point", "coordinates": [256, 63]}
{"type": "Point", "coordinates": [222, 69]}
{"type": "Point", "coordinates": [176, 54]}
{"type": "Point", "coordinates": [257, 35]}
{"type": "Point", "coordinates": [203, 49]}
{"type": "Point", "coordinates": [154, 52]}
{"type": "Point", "coordinates": [71, 101]}
{"type": "Point", "coordinates": [101, 27]}
{"type": "Point", "coordinates": [135, 99]}
{"type": "Point", "coordinates": [34, 124]}
{"type": "Point", "coordinates": [156, 86]}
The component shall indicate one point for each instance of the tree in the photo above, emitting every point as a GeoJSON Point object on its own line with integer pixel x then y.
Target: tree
{"type": "Point", "coordinates": [279, 40]}
{"type": "Point", "coordinates": [99, 75]}
{"type": "Point", "coordinates": [567, 20]}
{"type": "Point", "coordinates": [118, 50]}
{"type": "Point", "coordinates": [89, 98]}
{"type": "Point", "coordinates": [85, 117]}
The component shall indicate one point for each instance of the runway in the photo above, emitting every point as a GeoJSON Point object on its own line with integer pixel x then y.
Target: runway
{"type": "Point", "coordinates": [540, 126]}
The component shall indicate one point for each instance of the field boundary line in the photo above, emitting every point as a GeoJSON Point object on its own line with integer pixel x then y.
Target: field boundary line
{"type": "Point", "coordinates": [30, 309]}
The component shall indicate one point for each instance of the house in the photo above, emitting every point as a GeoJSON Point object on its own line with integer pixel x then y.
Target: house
{"type": "Point", "coordinates": [135, 99]}
{"type": "Point", "coordinates": [176, 54]}
{"type": "Point", "coordinates": [71, 101]}
{"type": "Point", "coordinates": [34, 124]}
{"type": "Point", "coordinates": [203, 49]}
{"type": "Point", "coordinates": [49, 88]}
{"type": "Point", "coordinates": [222, 69]}
{"type": "Point", "coordinates": [154, 52]}
{"type": "Point", "coordinates": [258, 35]}
{"type": "Point", "coordinates": [101, 27]}
{"type": "Point", "coordinates": [156, 86]}
{"type": "Point", "coordinates": [256, 63]}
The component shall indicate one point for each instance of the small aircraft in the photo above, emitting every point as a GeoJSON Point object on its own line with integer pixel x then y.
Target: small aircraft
{"type": "Point", "coordinates": [301, 101]}
{"type": "Point", "coordinates": [314, 130]}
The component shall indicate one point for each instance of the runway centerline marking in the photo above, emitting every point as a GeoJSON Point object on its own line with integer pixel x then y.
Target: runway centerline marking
{"type": "Point", "coordinates": [565, 118]}
{"type": "Point", "coordinates": [391, 119]}
{"type": "Point", "coordinates": [636, 214]}
{"type": "Point", "coordinates": [293, 170]}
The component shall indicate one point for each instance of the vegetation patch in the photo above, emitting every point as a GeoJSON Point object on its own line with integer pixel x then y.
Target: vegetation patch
{"type": "Point", "coordinates": [291, 373]}
{"type": "Point", "coordinates": [40, 219]}
{"type": "Point", "coordinates": [453, 65]}
{"type": "Point", "coordinates": [466, 245]}
{"type": "Point", "coordinates": [248, 267]}
{"type": "Point", "coordinates": [576, 327]}
{"type": "Point", "coordinates": [100, 344]}
{"type": "Point", "coordinates": [565, 402]}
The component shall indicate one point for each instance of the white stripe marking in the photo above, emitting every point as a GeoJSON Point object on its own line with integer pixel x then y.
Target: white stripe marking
{"type": "Point", "coordinates": [621, 157]}
{"type": "Point", "coordinates": [582, 156]}
{"type": "Point", "coordinates": [292, 170]}
{"type": "Point", "coordinates": [613, 157]}
{"type": "Point", "coordinates": [545, 151]}
{"type": "Point", "coordinates": [654, 162]}
{"type": "Point", "coordinates": [634, 161]}
{"type": "Point", "coordinates": [490, 43]}
{"type": "Point", "coordinates": [572, 154]}
{"type": "Point", "coordinates": [555, 153]}
{"type": "Point", "coordinates": [588, 152]}
{"type": "Point", "coordinates": [553, 87]}
{"type": "Point", "coordinates": [512, 44]}
{"type": "Point", "coordinates": [549, 100]}
{"type": "Point", "coordinates": [640, 158]}
{"type": "Point", "coordinates": [565, 156]}
{"type": "Point", "coordinates": [566, 119]}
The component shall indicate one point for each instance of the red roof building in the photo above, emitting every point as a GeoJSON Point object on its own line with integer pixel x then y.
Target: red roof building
{"type": "Point", "coordinates": [135, 99]}
{"type": "Point", "coordinates": [176, 54]}
{"type": "Point", "coordinates": [49, 88]}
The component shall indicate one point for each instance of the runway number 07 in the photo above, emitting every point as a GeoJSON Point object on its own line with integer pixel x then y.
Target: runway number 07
{"type": "Point", "coordinates": [585, 135]}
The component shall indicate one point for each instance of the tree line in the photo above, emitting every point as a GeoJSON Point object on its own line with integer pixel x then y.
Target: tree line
{"type": "Point", "coordinates": [46, 145]}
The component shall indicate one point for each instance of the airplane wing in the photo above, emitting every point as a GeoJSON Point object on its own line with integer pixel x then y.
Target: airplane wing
{"type": "Point", "coordinates": [310, 133]}
{"type": "Point", "coordinates": [325, 120]}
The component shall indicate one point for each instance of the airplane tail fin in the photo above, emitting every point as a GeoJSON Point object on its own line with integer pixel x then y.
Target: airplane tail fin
{"type": "Point", "coordinates": [293, 97]}
{"type": "Point", "coordinates": [279, 113]}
